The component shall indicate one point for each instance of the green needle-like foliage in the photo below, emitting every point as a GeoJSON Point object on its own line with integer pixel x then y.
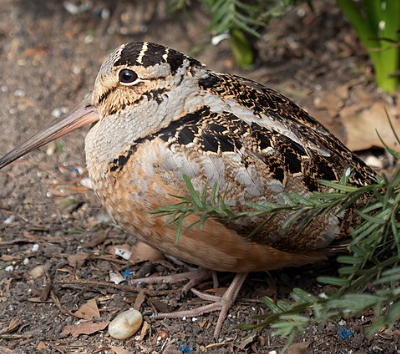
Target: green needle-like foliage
{"type": "Point", "coordinates": [241, 19]}
{"type": "Point", "coordinates": [376, 22]}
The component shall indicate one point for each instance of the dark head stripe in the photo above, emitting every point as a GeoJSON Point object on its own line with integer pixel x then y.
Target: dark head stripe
{"type": "Point", "coordinates": [130, 54]}
{"type": "Point", "coordinates": [134, 54]}
{"type": "Point", "coordinates": [154, 54]}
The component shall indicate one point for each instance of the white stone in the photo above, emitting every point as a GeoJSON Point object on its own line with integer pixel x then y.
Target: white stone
{"type": "Point", "coordinates": [86, 182]}
{"type": "Point", "coordinates": [9, 220]}
{"type": "Point", "coordinates": [35, 247]}
{"type": "Point", "coordinates": [125, 325]}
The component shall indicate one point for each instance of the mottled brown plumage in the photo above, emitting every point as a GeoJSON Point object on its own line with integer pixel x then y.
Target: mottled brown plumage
{"type": "Point", "coordinates": [162, 114]}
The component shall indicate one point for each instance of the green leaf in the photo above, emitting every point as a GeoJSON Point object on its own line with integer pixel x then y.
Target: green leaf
{"type": "Point", "coordinates": [332, 280]}
{"type": "Point", "coordinates": [241, 48]}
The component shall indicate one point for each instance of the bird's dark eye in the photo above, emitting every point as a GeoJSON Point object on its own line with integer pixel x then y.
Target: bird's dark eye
{"type": "Point", "coordinates": [127, 77]}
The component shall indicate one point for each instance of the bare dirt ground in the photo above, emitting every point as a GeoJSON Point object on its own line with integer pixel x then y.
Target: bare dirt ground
{"type": "Point", "coordinates": [56, 241]}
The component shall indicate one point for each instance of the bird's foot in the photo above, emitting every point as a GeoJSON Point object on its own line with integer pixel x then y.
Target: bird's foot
{"type": "Point", "coordinates": [222, 304]}
{"type": "Point", "coordinates": [195, 277]}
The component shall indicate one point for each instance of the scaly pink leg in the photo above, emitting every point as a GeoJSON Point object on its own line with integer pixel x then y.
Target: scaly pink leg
{"type": "Point", "coordinates": [223, 303]}
{"type": "Point", "coordinates": [195, 277]}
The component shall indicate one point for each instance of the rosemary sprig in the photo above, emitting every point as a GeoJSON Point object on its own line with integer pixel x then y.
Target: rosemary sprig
{"type": "Point", "coordinates": [203, 203]}
{"type": "Point", "coordinates": [209, 203]}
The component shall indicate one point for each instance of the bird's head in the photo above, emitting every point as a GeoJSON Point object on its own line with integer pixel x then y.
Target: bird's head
{"type": "Point", "coordinates": [136, 72]}
{"type": "Point", "coordinates": [132, 73]}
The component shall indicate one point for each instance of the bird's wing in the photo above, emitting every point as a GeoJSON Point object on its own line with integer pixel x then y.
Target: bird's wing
{"type": "Point", "coordinates": [290, 126]}
{"type": "Point", "coordinates": [256, 147]}
{"type": "Point", "coordinates": [252, 163]}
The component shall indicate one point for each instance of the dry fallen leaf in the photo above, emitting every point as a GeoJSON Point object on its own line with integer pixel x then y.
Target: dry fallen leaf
{"type": "Point", "coordinates": [360, 126]}
{"type": "Point", "coordinates": [89, 327]}
{"type": "Point", "coordinates": [88, 311]}
{"type": "Point", "coordinates": [5, 350]}
{"type": "Point", "coordinates": [14, 324]}
{"type": "Point", "coordinates": [111, 249]}
{"type": "Point", "coordinates": [139, 300]}
{"type": "Point", "coordinates": [33, 52]}
{"type": "Point", "coordinates": [96, 239]}
{"type": "Point", "coordinates": [247, 340]}
{"type": "Point", "coordinates": [145, 329]}
{"type": "Point", "coordinates": [119, 350]}
{"type": "Point", "coordinates": [298, 348]}
{"type": "Point", "coordinates": [37, 271]}
{"type": "Point", "coordinates": [142, 252]}
{"type": "Point", "coordinates": [41, 346]}
{"type": "Point", "coordinates": [43, 293]}
{"type": "Point", "coordinates": [77, 260]}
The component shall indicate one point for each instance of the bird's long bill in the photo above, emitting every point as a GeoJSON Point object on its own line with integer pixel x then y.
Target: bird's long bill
{"type": "Point", "coordinates": [83, 114]}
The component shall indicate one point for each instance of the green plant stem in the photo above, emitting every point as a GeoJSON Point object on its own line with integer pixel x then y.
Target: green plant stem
{"type": "Point", "coordinates": [390, 54]}
{"type": "Point", "coordinates": [380, 43]}
{"type": "Point", "coordinates": [364, 31]}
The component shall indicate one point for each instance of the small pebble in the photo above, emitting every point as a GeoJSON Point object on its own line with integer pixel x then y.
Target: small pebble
{"type": "Point", "coordinates": [19, 93]}
{"type": "Point", "coordinates": [9, 268]}
{"type": "Point", "coordinates": [37, 272]}
{"type": "Point", "coordinates": [56, 112]}
{"type": "Point", "coordinates": [86, 182]}
{"type": "Point", "coordinates": [35, 247]}
{"type": "Point", "coordinates": [88, 39]}
{"type": "Point", "coordinates": [125, 325]}
{"type": "Point", "coordinates": [374, 162]}
{"type": "Point", "coordinates": [9, 220]}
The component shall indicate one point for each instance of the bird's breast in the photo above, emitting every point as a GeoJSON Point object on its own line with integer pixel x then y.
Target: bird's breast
{"type": "Point", "coordinates": [147, 178]}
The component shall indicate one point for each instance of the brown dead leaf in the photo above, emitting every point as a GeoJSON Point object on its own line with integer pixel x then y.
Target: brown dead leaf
{"type": "Point", "coordinates": [31, 237]}
{"type": "Point", "coordinates": [43, 294]}
{"type": "Point", "coordinates": [298, 348]}
{"type": "Point", "coordinates": [77, 260]}
{"type": "Point", "coordinates": [139, 300]}
{"type": "Point", "coordinates": [88, 311]}
{"type": "Point", "coordinates": [89, 327]}
{"type": "Point", "coordinates": [144, 330]}
{"type": "Point", "coordinates": [119, 350]}
{"type": "Point", "coordinates": [41, 346]}
{"type": "Point", "coordinates": [76, 188]}
{"type": "Point", "coordinates": [112, 249]}
{"type": "Point", "coordinates": [33, 52]}
{"type": "Point", "coordinates": [5, 350]}
{"type": "Point", "coordinates": [14, 324]}
{"type": "Point", "coordinates": [96, 239]}
{"type": "Point", "coordinates": [7, 258]}
{"type": "Point", "coordinates": [142, 252]}
{"type": "Point", "coordinates": [56, 192]}
{"type": "Point", "coordinates": [360, 126]}
{"type": "Point", "coordinates": [159, 305]}
{"type": "Point", "coordinates": [247, 340]}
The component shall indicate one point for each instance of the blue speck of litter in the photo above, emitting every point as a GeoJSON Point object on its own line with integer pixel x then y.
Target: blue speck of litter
{"type": "Point", "coordinates": [76, 171]}
{"type": "Point", "coordinates": [345, 333]}
{"type": "Point", "coordinates": [127, 274]}
{"type": "Point", "coordinates": [185, 349]}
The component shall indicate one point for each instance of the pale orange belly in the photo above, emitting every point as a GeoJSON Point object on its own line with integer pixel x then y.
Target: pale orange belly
{"type": "Point", "coordinates": [129, 196]}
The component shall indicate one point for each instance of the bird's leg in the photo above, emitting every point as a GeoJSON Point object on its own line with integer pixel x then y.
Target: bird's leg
{"type": "Point", "coordinates": [195, 277]}
{"type": "Point", "coordinates": [222, 304]}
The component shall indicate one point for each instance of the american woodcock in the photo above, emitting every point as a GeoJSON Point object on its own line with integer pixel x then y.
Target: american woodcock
{"type": "Point", "coordinates": [159, 114]}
